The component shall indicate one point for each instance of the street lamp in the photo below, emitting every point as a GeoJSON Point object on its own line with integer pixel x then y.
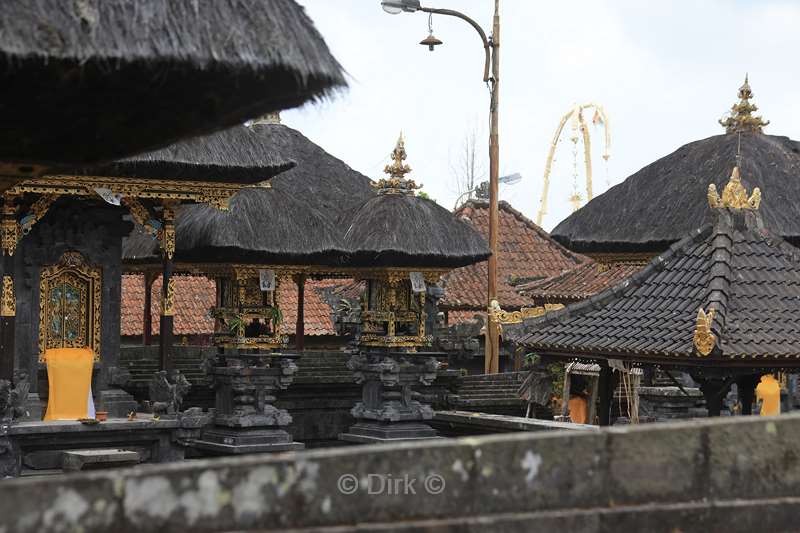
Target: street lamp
{"type": "Point", "coordinates": [511, 179]}
{"type": "Point", "coordinates": [491, 47]}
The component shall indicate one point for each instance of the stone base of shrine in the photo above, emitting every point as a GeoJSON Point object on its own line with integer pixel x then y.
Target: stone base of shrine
{"type": "Point", "coordinates": [235, 441]}
{"type": "Point", "coordinates": [39, 447]}
{"type": "Point", "coordinates": [372, 432]}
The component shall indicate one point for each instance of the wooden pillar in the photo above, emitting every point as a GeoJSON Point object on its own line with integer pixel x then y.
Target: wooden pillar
{"type": "Point", "coordinates": [8, 303]}
{"type": "Point", "coordinates": [606, 392]}
{"type": "Point", "coordinates": [167, 289]}
{"type": "Point", "coordinates": [300, 326]}
{"type": "Point", "coordinates": [714, 390]}
{"type": "Point", "coordinates": [746, 388]}
{"type": "Point", "coordinates": [147, 317]}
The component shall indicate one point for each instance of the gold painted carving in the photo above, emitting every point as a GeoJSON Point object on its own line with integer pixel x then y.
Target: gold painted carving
{"type": "Point", "coordinates": [516, 317]}
{"type": "Point", "coordinates": [214, 194]}
{"type": "Point", "coordinates": [734, 194]}
{"type": "Point", "coordinates": [741, 116]}
{"type": "Point", "coordinates": [8, 302]}
{"type": "Point", "coordinates": [704, 339]}
{"type": "Point", "coordinates": [140, 214]}
{"type": "Point", "coordinates": [168, 298]}
{"type": "Point", "coordinates": [37, 211]}
{"type": "Point", "coordinates": [70, 313]}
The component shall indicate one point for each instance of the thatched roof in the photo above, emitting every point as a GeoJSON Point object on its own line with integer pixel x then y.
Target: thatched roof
{"type": "Point", "coordinates": [241, 154]}
{"type": "Point", "coordinates": [89, 80]}
{"type": "Point", "coordinates": [733, 268]}
{"type": "Point", "coordinates": [665, 200]}
{"type": "Point", "coordinates": [407, 230]}
{"type": "Point", "coordinates": [293, 220]}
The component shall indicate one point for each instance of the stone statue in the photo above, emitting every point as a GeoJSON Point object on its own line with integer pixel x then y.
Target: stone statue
{"type": "Point", "coordinates": [13, 396]}
{"type": "Point", "coordinates": [166, 396]}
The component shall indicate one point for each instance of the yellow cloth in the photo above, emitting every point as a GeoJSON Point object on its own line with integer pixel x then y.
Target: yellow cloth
{"type": "Point", "coordinates": [578, 410]}
{"type": "Point", "coordinates": [769, 393]}
{"type": "Point", "coordinates": [69, 372]}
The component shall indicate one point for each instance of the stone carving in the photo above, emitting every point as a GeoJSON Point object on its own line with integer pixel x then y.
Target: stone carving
{"type": "Point", "coordinates": [166, 395]}
{"type": "Point", "coordinates": [13, 396]}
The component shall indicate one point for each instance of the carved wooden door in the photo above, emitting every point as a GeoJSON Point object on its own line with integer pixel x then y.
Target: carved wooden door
{"type": "Point", "coordinates": [69, 305]}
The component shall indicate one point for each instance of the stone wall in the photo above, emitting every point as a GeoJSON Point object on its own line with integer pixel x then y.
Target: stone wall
{"type": "Point", "coordinates": [735, 474]}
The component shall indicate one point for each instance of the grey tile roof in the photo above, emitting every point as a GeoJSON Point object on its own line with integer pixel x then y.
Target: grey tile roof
{"type": "Point", "coordinates": [733, 265]}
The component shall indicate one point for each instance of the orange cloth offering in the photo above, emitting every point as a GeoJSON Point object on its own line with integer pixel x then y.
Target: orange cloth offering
{"type": "Point", "coordinates": [578, 410]}
{"type": "Point", "coordinates": [769, 393]}
{"type": "Point", "coordinates": [69, 372]}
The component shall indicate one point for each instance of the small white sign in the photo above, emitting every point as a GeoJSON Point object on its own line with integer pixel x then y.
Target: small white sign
{"type": "Point", "coordinates": [417, 282]}
{"type": "Point", "coordinates": [266, 279]}
{"type": "Point", "coordinates": [109, 196]}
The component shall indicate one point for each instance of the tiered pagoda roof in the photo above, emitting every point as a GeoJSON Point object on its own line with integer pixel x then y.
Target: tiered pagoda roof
{"type": "Point", "coordinates": [728, 294]}
{"type": "Point", "coordinates": [526, 253]}
{"type": "Point", "coordinates": [662, 202]}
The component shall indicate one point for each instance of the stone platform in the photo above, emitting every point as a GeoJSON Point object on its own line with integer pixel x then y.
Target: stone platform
{"type": "Point", "coordinates": [28, 448]}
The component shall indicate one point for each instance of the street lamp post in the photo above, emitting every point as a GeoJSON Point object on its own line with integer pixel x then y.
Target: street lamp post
{"type": "Point", "coordinates": [491, 76]}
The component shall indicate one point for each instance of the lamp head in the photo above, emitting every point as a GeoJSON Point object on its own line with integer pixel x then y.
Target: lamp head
{"type": "Point", "coordinates": [394, 7]}
{"type": "Point", "coordinates": [430, 41]}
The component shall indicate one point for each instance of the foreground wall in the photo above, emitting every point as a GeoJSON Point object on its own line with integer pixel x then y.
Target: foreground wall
{"type": "Point", "coordinates": [738, 474]}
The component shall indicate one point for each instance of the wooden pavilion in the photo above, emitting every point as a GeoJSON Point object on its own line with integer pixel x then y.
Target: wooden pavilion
{"type": "Point", "coordinates": [720, 304]}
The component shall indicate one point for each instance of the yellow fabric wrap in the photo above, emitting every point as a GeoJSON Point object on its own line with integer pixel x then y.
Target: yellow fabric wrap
{"type": "Point", "coordinates": [69, 372]}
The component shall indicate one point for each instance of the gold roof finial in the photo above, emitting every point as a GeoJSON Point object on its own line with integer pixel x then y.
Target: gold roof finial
{"type": "Point", "coordinates": [741, 118]}
{"type": "Point", "coordinates": [397, 182]}
{"type": "Point", "coordinates": [734, 194]}
{"type": "Point", "coordinates": [704, 339]}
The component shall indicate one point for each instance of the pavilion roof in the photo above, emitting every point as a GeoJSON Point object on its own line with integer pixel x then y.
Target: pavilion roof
{"type": "Point", "coordinates": [579, 283]}
{"type": "Point", "coordinates": [292, 221]}
{"type": "Point", "coordinates": [525, 253]}
{"type": "Point", "coordinates": [97, 80]}
{"type": "Point", "coordinates": [746, 277]}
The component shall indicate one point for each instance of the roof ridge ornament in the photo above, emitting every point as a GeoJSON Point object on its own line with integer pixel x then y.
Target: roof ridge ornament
{"type": "Point", "coordinates": [704, 339]}
{"type": "Point", "coordinates": [740, 117]}
{"type": "Point", "coordinates": [397, 183]}
{"type": "Point", "coordinates": [734, 194]}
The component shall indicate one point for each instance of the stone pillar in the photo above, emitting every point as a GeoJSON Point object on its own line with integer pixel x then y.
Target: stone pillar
{"type": "Point", "coordinates": [390, 409]}
{"type": "Point", "coordinates": [245, 421]}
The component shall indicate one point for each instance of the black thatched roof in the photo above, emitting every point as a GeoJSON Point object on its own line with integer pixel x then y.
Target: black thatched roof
{"type": "Point", "coordinates": [749, 277]}
{"type": "Point", "coordinates": [296, 216]}
{"type": "Point", "coordinates": [406, 230]}
{"type": "Point", "coordinates": [89, 80]}
{"type": "Point", "coordinates": [665, 200]}
{"type": "Point", "coordinates": [241, 154]}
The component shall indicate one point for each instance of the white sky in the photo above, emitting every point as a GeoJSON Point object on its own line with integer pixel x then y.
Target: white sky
{"type": "Point", "coordinates": [664, 71]}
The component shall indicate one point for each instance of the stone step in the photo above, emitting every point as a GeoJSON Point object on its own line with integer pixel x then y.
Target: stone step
{"type": "Point", "coordinates": [77, 460]}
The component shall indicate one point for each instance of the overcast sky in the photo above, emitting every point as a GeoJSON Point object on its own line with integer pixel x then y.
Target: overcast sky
{"type": "Point", "coordinates": [664, 71]}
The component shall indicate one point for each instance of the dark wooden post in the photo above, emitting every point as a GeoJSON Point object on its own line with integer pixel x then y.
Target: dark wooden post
{"type": "Point", "coordinates": [300, 327]}
{"type": "Point", "coordinates": [167, 288]}
{"type": "Point", "coordinates": [714, 390]}
{"type": "Point", "coordinates": [606, 385]}
{"type": "Point", "coordinates": [147, 320]}
{"type": "Point", "coordinates": [8, 302]}
{"type": "Point", "coordinates": [746, 388]}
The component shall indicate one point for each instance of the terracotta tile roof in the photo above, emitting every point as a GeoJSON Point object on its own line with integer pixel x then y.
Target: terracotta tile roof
{"type": "Point", "coordinates": [579, 283]}
{"type": "Point", "coordinates": [457, 316]}
{"type": "Point", "coordinates": [748, 276]}
{"type": "Point", "coordinates": [525, 252]}
{"type": "Point", "coordinates": [195, 295]}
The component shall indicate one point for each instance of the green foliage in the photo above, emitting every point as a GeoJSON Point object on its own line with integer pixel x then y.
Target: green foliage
{"type": "Point", "coordinates": [423, 194]}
